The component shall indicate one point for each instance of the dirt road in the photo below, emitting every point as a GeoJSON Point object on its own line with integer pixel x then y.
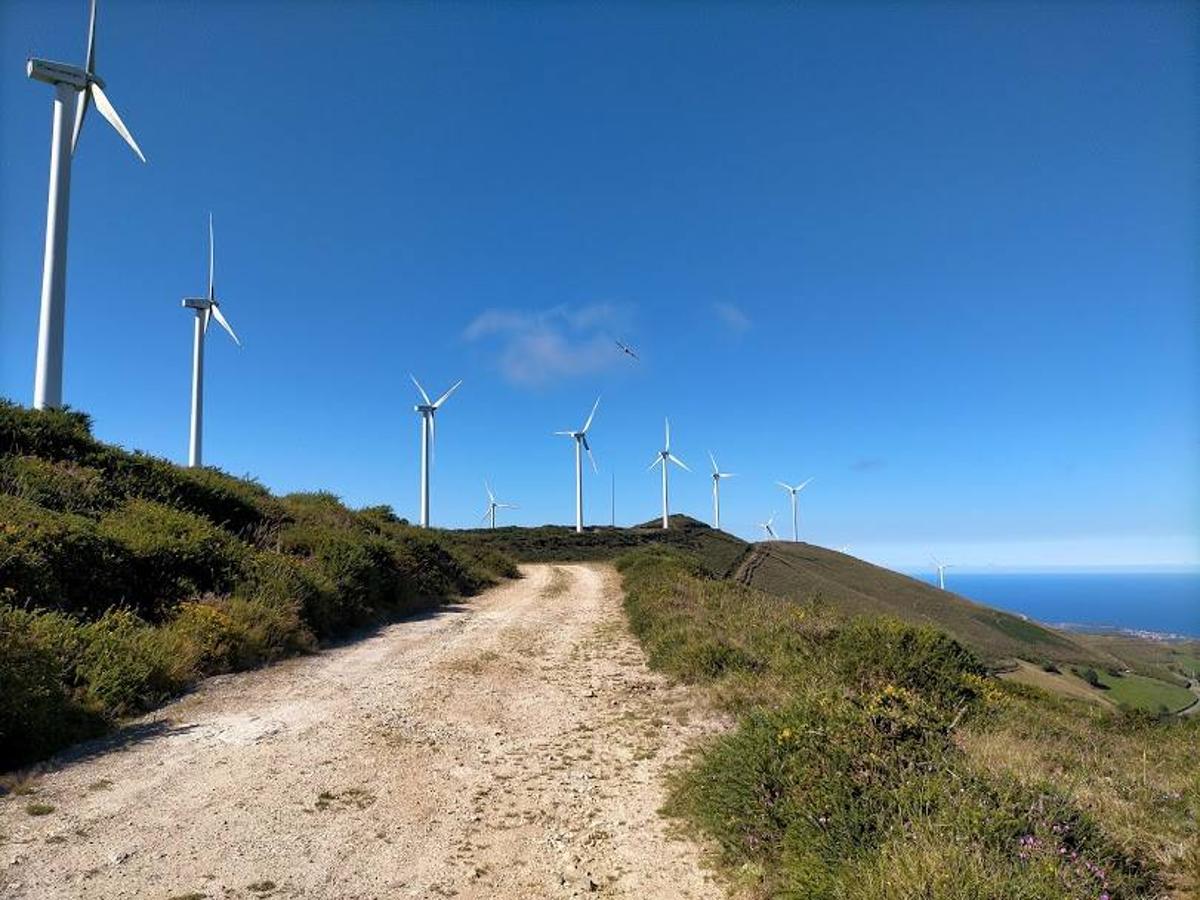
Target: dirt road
{"type": "Point", "coordinates": [510, 748]}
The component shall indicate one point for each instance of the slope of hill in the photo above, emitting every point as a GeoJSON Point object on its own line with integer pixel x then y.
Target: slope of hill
{"type": "Point", "coordinates": [803, 571]}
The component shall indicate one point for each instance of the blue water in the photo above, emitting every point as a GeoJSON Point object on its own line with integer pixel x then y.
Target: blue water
{"type": "Point", "coordinates": [1161, 602]}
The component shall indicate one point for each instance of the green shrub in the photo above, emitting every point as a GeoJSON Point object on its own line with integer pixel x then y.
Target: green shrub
{"type": "Point", "coordinates": [38, 712]}
{"type": "Point", "coordinates": [52, 434]}
{"type": "Point", "coordinates": [172, 554]}
{"type": "Point", "coordinates": [58, 560]}
{"type": "Point", "coordinates": [60, 486]}
{"type": "Point", "coordinates": [126, 665]}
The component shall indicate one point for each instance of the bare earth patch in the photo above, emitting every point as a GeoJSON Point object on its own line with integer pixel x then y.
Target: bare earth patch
{"type": "Point", "coordinates": [511, 748]}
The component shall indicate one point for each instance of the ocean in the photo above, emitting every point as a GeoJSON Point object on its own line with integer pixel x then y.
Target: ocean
{"type": "Point", "coordinates": [1161, 602]}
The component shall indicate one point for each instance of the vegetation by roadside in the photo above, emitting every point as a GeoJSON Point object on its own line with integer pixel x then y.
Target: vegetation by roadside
{"type": "Point", "coordinates": [125, 578]}
{"type": "Point", "coordinates": [874, 758]}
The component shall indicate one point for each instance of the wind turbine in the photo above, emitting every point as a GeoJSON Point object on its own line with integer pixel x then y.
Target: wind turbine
{"type": "Point", "coordinates": [428, 410]}
{"type": "Point", "coordinates": [664, 457]}
{"type": "Point", "coordinates": [206, 308]}
{"type": "Point", "coordinates": [717, 475]}
{"type": "Point", "coordinates": [941, 570]}
{"type": "Point", "coordinates": [793, 491]}
{"type": "Point", "coordinates": [494, 505]}
{"type": "Point", "coordinates": [581, 444]}
{"type": "Point", "coordinates": [768, 528]}
{"type": "Point", "coordinates": [74, 89]}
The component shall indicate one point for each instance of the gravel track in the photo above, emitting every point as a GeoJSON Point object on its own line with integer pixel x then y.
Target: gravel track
{"type": "Point", "coordinates": [511, 747]}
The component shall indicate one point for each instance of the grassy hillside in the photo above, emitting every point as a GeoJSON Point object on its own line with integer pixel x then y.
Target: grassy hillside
{"type": "Point", "coordinates": [718, 550]}
{"type": "Point", "coordinates": [125, 578]}
{"type": "Point", "coordinates": [803, 571]}
{"type": "Point", "coordinates": [873, 758]}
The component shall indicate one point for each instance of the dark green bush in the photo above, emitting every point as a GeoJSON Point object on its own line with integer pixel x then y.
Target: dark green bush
{"type": "Point", "coordinates": [126, 666]}
{"type": "Point", "coordinates": [38, 711]}
{"type": "Point", "coordinates": [58, 560]}
{"type": "Point", "coordinates": [59, 486]}
{"type": "Point", "coordinates": [172, 554]}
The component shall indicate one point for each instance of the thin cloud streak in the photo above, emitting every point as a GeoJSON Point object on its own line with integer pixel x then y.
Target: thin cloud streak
{"type": "Point", "coordinates": [732, 316]}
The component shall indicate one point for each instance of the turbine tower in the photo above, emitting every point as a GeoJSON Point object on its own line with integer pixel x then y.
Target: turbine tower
{"type": "Point", "coordinates": [581, 444]}
{"type": "Point", "coordinates": [206, 308]}
{"type": "Point", "coordinates": [941, 570]}
{"type": "Point", "coordinates": [74, 89]}
{"type": "Point", "coordinates": [768, 528]}
{"type": "Point", "coordinates": [793, 491]}
{"type": "Point", "coordinates": [428, 410]}
{"type": "Point", "coordinates": [493, 505]}
{"type": "Point", "coordinates": [717, 475]}
{"type": "Point", "coordinates": [664, 457]}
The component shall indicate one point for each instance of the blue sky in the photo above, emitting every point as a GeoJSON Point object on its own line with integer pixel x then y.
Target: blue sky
{"type": "Point", "coordinates": [941, 257]}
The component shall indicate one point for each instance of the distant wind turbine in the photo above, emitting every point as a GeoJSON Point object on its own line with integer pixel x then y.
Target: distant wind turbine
{"type": "Point", "coordinates": [206, 308]}
{"type": "Point", "coordinates": [494, 505]}
{"type": "Point", "coordinates": [581, 444]}
{"type": "Point", "coordinates": [768, 528]}
{"type": "Point", "coordinates": [627, 350]}
{"type": "Point", "coordinates": [662, 459]}
{"type": "Point", "coordinates": [74, 89]}
{"type": "Point", "coordinates": [941, 570]}
{"type": "Point", "coordinates": [428, 410]}
{"type": "Point", "coordinates": [792, 492]}
{"type": "Point", "coordinates": [717, 475]}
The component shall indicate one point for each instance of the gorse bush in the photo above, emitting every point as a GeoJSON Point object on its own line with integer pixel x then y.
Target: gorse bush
{"type": "Point", "coordinates": [124, 578]}
{"type": "Point", "coordinates": [845, 776]}
{"type": "Point", "coordinates": [171, 554]}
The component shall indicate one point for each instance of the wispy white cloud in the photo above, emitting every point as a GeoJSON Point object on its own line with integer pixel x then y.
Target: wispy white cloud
{"type": "Point", "coordinates": [732, 316]}
{"type": "Point", "coordinates": [564, 342]}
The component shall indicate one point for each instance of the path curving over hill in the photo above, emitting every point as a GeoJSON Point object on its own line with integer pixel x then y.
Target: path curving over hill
{"type": "Point", "coordinates": [513, 747]}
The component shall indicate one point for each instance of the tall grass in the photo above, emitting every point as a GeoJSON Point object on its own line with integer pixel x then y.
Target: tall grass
{"type": "Point", "coordinates": [869, 759]}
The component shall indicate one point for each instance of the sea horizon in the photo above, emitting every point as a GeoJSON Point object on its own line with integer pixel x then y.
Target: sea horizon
{"type": "Point", "coordinates": [1159, 601]}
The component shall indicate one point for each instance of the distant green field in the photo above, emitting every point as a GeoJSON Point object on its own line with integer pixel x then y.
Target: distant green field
{"type": "Point", "coordinates": [1149, 694]}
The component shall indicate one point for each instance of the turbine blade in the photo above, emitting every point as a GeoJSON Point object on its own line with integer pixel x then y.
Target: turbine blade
{"type": "Point", "coordinates": [81, 107]}
{"type": "Point", "coordinates": [567, 433]}
{"type": "Point", "coordinates": [106, 109]}
{"type": "Point", "coordinates": [679, 462]}
{"type": "Point", "coordinates": [90, 65]}
{"type": "Point", "coordinates": [446, 396]}
{"type": "Point", "coordinates": [424, 395]}
{"type": "Point", "coordinates": [805, 484]}
{"type": "Point", "coordinates": [591, 415]}
{"type": "Point", "coordinates": [487, 487]}
{"type": "Point", "coordinates": [207, 319]}
{"type": "Point", "coordinates": [668, 424]}
{"type": "Point", "coordinates": [786, 487]}
{"type": "Point", "coordinates": [716, 468]}
{"type": "Point", "coordinates": [657, 460]}
{"type": "Point", "coordinates": [212, 262]}
{"type": "Point", "coordinates": [595, 468]}
{"type": "Point", "coordinates": [487, 512]}
{"type": "Point", "coordinates": [216, 311]}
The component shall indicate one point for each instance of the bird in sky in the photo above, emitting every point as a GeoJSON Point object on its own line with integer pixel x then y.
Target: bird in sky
{"type": "Point", "coordinates": [625, 348]}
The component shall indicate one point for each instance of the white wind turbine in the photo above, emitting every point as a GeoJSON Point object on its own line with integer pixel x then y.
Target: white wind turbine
{"type": "Point", "coordinates": [428, 410]}
{"type": "Point", "coordinates": [941, 570]}
{"type": "Point", "coordinates": [664, 457]}
{"type": "Point", "coordinates": [768, 528]}
{"type": "Point", "coordinates": [581, 444]}
{"type": "Point", "coordinates": [793, 490]}
{"type": "Point", "coordinates": [206, 308]}
{"type": "Point", "coordinates": [493, 505]}
{"type": "Point", "coordinates": [74, 89]}
{"type": "Point", "coordinates": [717, 475]}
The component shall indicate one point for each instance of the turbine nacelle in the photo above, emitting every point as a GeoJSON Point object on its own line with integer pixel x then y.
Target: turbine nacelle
{"type": "Point", "coordinates": [60, 73]}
